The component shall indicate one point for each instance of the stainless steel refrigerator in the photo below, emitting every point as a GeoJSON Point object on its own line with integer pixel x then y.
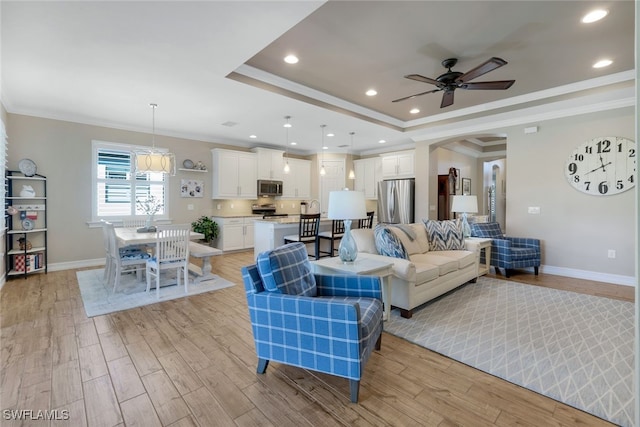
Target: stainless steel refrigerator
{"type": "Point", "coordinates": [396, 200]}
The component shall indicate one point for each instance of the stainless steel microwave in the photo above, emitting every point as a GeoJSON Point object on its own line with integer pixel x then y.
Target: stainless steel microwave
{"type": "Point", "coordinates": [269, 188]}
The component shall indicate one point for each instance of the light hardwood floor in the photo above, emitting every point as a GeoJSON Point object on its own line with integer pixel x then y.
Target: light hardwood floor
{"type": "Point", "coordinates": [191, 362]}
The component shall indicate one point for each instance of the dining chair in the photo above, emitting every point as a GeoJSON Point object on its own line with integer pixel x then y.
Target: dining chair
{"type": "Point", "coordinates": [336, 233]}
{"type": "Point", "coordinates": [366, 222]}
{"type": "Point", "coordinates": [308, 228]}
{"type": "Point", "coordinates": [171, 252]}
{"type": "Point", "coordinates": [121, 260]}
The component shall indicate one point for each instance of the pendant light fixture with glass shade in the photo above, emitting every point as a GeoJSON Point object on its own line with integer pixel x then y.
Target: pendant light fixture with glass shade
{"type": "Point", "coordinates": [153, 160]}
{"type": "Point", "coordinates": [352, 173]}
{"type": "Point", "coordinates": [323, 171]}
{"type": "Point", "coordinates": [287, 125]}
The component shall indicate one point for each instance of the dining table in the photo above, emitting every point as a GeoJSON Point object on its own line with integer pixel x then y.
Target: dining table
{"type": "Point", "coordinates": [131, 236]}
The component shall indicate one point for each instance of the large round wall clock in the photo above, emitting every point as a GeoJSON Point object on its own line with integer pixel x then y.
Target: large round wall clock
{"type": "Point", "coordinates": [602, 166]}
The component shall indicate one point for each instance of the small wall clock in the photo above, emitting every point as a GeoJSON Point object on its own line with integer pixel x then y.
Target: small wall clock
{"type": "Point", "coordinates": [602, 166]}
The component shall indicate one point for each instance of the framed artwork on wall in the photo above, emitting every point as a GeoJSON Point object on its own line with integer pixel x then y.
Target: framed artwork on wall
{"type": "Point", "coordinates": [466, 186]}
{"type": "Point", "coordinates": [191, 188]}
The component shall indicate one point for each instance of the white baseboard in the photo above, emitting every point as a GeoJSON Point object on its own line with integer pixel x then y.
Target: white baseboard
{"type": "Point", "coordinates": [58, 266]}
{"type": "Point", "coordinates": [616, 279]}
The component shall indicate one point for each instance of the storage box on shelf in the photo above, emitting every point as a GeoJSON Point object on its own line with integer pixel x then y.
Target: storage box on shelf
{"type": "Point", "coordinates": [26, 237]}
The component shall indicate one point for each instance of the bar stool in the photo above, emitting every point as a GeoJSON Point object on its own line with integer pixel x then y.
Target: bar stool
{"type": "Point", "coordinates": [336, 233]}
{"type": "Point", "coordinates": [366, 222]}
{"type": "Point", "coordinates": [307, 232]}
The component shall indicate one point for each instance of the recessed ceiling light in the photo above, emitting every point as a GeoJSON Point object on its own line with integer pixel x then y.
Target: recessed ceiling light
{"type": "Point", "coordinates": [325, 147]}
{"type": "Point", "coordinates": [330, 134]}
{"type": "Point", "coordinates": [594, 15]}
{"type": "Point", "coordinates": [414, 111]}
{"type": "Point", "coordinates": [371, 92]}
{"type": "Point", "coordinates": [252, 136]}
{"type": "Point", "coordinates": [293, 143]}
{"type": "Point", "coordinates": [603, 63]}
{"type": "Point", "coordinates": [382, 141]}
{"type": "Point", "coordinates": [291, 59]}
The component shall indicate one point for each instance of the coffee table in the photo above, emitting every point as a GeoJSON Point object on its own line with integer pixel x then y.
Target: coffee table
{"type": "Point", "coordinates": [362, 266]}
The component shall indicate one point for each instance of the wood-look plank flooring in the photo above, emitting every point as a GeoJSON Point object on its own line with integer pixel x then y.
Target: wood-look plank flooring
{"type": "Point", "coordinates": [191, 362]}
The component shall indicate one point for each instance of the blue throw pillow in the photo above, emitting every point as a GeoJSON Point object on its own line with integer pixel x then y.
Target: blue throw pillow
{"type": "Point", "coordinates": [487, 229]}
{"type": "Point", "coordinates": [445, 235]}
{"type": "Point", "coordinates": [387, 243]}
{"type": "Point", "coordinates": [287, 270]}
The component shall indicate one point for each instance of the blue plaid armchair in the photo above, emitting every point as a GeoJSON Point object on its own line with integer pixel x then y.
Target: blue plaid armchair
{"type": "Point", "coordinates": [508, 252]}
{"type": "Point", "coordinates": [323, 323]}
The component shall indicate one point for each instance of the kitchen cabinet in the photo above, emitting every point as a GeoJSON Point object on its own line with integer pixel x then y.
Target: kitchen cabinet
{"type": "Point", "coordinates": [234, 174]}
{"type": "Point", "coordinates": [235, 233]}
{"type": "Point", "coordinates": [297, 183]}
{"type": "Point", "coordinates": [270, 163]}
{"type": "Point", "coordinates": [368, 173]}
{"type": "Point", "coordinates": [398, 165]}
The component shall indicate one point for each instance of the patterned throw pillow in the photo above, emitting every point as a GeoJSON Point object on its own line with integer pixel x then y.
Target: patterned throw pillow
{"type": "Point", "coordinates": [488, 229]}
{"type": "Point", "coordinates": [287, 270]}
{"type": "Point", "coordinates": [445, 235]}
{"type": "Point", "coordinates": [387, 243]}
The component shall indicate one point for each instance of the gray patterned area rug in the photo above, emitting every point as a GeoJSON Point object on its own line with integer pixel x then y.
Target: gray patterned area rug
{"type": "Point", "coordinates": [574, 348]}
{"type": "Point", "coordinates": [98, 299]}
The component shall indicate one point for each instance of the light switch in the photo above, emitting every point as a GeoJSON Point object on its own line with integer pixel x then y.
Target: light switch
{"type": "Point", "coordinates": [534, 210]}
{"type": "Point", "coordinates": [189, 207]}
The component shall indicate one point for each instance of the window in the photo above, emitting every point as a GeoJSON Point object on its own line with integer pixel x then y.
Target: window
{"type": "Point", "coordinates": [117, 187]}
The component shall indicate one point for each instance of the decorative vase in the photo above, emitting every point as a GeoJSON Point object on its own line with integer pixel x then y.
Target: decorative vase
{"type": "Point", "coordinates": [347, 250]}
{"type": "Point", "coordinates": [148, 222]}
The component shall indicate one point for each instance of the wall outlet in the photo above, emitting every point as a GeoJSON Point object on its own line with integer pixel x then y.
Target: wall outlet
{"type": "Point", "coordinates": [189, 207]}
{"type": "Point", "coordinates": [231, 206]}
{"type": "Point", "coordinates": [611, 253]}
{"type": "Point", "coordinates": [293, 205]}
{"type": "Point", "coordinates": [535, 210]}
{"type": "Point", "coordinates": [218, 206]}
{"type": "Point", "coordinates": [281, 205]}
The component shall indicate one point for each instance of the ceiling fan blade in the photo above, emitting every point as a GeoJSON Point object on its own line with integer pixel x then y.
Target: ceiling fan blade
{"type": "Point", "coordinates": [417, 94]}
{"type": "Point", "coordinates": [481, 69]}
{"type": "Point", "coordinates": [499, 84]}
{"type": "Point", "coordinates": [419, 78]}
{"type": "Point", "coordinates": [447, 99]}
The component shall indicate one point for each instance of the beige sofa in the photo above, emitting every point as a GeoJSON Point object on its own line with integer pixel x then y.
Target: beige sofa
{"type": "Point", "coordinates": [426, 274]}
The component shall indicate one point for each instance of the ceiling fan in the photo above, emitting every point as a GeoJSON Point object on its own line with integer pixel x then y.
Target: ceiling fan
{"type": "Point", "coordinates": [452, 80]}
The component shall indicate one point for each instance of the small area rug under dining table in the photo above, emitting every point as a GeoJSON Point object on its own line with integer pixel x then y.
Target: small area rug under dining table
{"type": "Point", "coordinates": [98, 298]}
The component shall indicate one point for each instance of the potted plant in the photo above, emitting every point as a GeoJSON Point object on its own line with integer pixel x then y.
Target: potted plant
{"type": "Point", "coordinates": [206, 226]}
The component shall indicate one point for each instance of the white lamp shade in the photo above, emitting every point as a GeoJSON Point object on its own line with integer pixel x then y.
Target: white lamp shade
{"type": "Point", "coordinates": [467, 204]}
{"type": "Point", "coordinates": [154, 161]}
{"type": "Point", "coordinates": [347, 205]}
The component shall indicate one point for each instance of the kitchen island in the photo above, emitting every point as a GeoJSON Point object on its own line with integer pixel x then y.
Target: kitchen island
{"type": "Point", "coordinates": [269, 232]}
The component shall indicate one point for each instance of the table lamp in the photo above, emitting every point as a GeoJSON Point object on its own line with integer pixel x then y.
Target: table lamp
{"type": "Point", "coordinates": [347, 205]}
{"type": "Point", "coordinates": [465, 205]}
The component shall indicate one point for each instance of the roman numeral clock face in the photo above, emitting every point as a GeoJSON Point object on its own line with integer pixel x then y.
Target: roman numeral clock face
{"type": "Point", "coordinates": [602, 166]}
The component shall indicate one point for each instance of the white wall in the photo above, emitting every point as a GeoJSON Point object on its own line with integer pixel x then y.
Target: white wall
{"type": "Point", "coordinates": [576, 229]}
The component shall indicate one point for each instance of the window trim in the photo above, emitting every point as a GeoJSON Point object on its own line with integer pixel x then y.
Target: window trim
{"type": "Point", "coordinates": [98, 145]}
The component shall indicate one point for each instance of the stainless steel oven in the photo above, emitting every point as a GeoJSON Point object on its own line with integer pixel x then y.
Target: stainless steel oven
{"type": "Point", "coordinates": [269, 188]}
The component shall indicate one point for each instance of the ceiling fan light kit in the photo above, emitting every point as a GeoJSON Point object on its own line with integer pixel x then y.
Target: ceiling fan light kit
{"type": "Point", "coordinates": [452, 80]}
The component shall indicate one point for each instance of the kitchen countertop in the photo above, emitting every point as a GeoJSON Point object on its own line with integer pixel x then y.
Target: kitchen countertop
{"type": "Point", "coordinates": [291, 219]}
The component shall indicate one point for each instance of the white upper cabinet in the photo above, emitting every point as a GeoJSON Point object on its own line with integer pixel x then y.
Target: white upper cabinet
{"type": "Point", "coordinates": [398, 165]}
{"type": "Point", "coordinates": [234, 174]}
{"type": "Point", "coordinates": [368, 173]}
{"type": "Point", "coordinates": [270, 163]}
{"type": "Point", "coordinates": [297, 183]}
